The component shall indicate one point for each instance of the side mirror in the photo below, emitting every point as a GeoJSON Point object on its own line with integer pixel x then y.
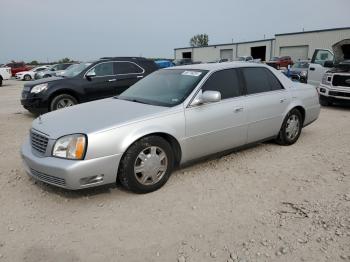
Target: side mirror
{"type": "Point", "coordinates": [90, 75]}
{"type": "Point", "coordinates": [328, 63]}
{"type": "Point", "coordinates": [207, 97]}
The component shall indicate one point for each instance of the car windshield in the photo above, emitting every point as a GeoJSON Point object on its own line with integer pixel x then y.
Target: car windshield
{"type": "Point", "coordinates": [274, 59]}
{"type": "Point", "coordinates": [168, 87]}
{"type": "Point", "coordinates": [301, 65]}
{"type": "Point", "coordinates": [75, 70]}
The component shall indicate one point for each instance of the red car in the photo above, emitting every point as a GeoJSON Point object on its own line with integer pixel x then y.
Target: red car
{"type": "Point", "coordinates": [17, 67]}
{"type": "Point", "coordinates": [278, 62]}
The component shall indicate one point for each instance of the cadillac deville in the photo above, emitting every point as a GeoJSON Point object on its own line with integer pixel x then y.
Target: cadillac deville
{"type": "Point", "coordinates": [171, 117]}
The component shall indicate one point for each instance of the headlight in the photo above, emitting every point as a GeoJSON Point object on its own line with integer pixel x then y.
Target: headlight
{"type": "Point", "coordinates": [39, 88]}
{"type": "Point", "coordinates": [326, 79]}
{"type": "Point", "coordinates": [70, 147]}
{"type": "Point", "coordinates": [303, 73]}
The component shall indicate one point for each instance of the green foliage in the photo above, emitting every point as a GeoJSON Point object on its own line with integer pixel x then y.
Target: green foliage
{"type": "Point", "coordinates": [34, 62]}
{"type": "Point", "coordinates": [199, 40]}
{"type": "Point", "coordinates": [65, 60]}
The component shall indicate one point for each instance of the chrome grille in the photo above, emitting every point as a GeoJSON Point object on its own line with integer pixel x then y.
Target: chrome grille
{"type": "Point", "coordinates": [47, 178]}
{"type": "Point", "coordinates": [341, 80]}
{"type": "Point", "coordinates": [39, 142]}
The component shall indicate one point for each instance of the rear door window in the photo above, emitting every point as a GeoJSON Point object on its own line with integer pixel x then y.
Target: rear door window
{"type": "Point", "coordinates": [124, 68]}
{"type": "Point", "coordinates": [225, 81]}
{"type": "Point", "coordinates": [260, 80]}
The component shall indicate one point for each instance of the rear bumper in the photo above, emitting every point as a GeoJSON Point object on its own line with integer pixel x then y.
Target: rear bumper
{"type": "Point", "coordinates": [69, 174]}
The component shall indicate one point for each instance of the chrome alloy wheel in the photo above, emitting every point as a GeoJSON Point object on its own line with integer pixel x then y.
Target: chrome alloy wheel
{"type": "Point", "coordinates": [65, 102]}
{"type": "Point", "coordinates": [150, 165]}
{"type": "Point", "coordinates": [293, 127]}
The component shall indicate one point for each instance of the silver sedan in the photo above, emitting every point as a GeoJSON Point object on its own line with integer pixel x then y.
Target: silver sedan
{"type": "Point", "coordinates": [171, 117]}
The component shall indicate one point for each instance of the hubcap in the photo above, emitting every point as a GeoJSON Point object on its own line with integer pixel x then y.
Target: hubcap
{"type": "Point", "coordinates": [150, 165]}
{"type": "Point", "coordinates": [292, 128]}
{"type": "Point", "coordinates": [65, 102]}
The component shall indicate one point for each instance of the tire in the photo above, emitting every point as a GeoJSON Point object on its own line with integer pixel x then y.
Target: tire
{"type": "Point", "coordinates": [288, 136]}
{"type": "Point", "coordinates": [324, 101]}
{"type": "Point", "coordinates": [61, 101]}
{"type": "Point", "coordinates": [0, 81]}
{"type": "Point", "coordinates": [152, 175]}
{"type": "Point", "coordinates": [27, 78]}
{"type": "Point", "coordinates": [46, 76]}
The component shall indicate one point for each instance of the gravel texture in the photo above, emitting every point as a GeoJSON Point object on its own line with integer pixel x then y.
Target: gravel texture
{"type": "Point", "coordinates": [265, 203]}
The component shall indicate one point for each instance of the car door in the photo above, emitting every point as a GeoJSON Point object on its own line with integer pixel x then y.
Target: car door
{"type": "Point", "coordinates": [316, 68]}
{"type": "Point", "coordinates": [218, 126]}
{"type": "Point", "coordinates": [100, 81]}
{"type": "Point", "coordinates": [266, 102]}
{"type": "Point", "coordinates": [128, 73]}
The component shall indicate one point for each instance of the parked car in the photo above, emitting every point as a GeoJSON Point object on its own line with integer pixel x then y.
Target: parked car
{"type": "Point", "coordinates": [330, 73]}
{"type": "Point", "coordinates": [85, 82]}
{"type": "Point", "coordinates": [164, 63]}
{"type": "Point", "coordinates": [29, 75]}
{"type": "Point", "coordinates": [183, 61]}
{"type": "Point", "coordinates": [279, 62]}
{"type": "Point", "coordinates": [173, 116]}
{"type": "Point", "coordinates": [245, 58]}
{"type": "Point", "coordinates": [298, 72]}
{"type": "Point", "coordinates": [52, 70]}
{"type": "Point", "coordinates": [17, 67]}
{"type": "Point", "coordinates": [5, 74]}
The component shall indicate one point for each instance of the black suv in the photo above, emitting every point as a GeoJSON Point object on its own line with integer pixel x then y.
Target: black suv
{"type": "Point", "coordinates": [85, 82]}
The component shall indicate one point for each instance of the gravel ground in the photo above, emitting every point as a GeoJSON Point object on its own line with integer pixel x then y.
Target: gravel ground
{"type": "Point", "coordinates": [266, 203]}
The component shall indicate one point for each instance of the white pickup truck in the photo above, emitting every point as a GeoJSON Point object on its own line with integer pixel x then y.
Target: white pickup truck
{"type": "Point", "coordinates": [330, 73]}
{"type": "Point", "coordinates": [5, 74]}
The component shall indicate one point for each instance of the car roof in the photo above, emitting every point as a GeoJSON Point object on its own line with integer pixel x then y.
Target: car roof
{"type": "Point", "coordinates": [217, 66]}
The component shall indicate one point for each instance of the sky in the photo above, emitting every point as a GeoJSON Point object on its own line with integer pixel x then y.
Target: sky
{"type": "Point", "coordinates": [48, 30]}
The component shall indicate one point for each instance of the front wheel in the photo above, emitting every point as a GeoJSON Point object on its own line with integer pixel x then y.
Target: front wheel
{"type": "Point", "coordinates": [0, 81]}
{"type": "Point", "coordinates": [27, 78]}
{"type": "Point", "coordinates": [62, 101]}
{"type": "Point", "coordinates": [324, 101]}
{"type": "Point", "coordinates": [291, 128]}
{"type": "Point", "coordinates": [146, 165]}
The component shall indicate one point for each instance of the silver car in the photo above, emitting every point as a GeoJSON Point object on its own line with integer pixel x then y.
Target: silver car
{"type": "Point", "coordinates": [171, 117]}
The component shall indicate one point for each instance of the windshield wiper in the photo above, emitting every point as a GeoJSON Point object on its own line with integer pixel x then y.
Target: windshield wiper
{"type": "Point", "coordinates": [131, 100]}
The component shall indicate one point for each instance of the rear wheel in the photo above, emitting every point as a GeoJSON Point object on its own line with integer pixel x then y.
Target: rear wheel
{"type": "Point", "coordinates": [62, 101]}
{"type": "Point", "coordinates": [146, 165]}
{"type": "Point", "coordinates": [291, 128]}
{"type": "Point", "coordinates": [0, 81]}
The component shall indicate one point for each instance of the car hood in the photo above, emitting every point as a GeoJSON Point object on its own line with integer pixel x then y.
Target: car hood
{"type": "Point", "coordinates": [341, 51]}
{"type": "Point", "coordinates": [42, 81]}
{"type": "Point", "coordinates": [94, 116]}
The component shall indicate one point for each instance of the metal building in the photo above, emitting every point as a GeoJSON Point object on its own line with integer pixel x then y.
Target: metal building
{"type": "Point", "coordinates": [298, 45]}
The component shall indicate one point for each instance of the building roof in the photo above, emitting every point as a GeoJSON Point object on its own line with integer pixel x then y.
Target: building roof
{"type": "Point", "coordinates": [246, 42]}
{"type": "Point", "coordinates": [270, 39]}
{"type": "Point", "coordinates": [315, 31]}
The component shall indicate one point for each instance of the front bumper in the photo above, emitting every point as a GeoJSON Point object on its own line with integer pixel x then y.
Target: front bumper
{"type": "Point", "coordinates": [334, 93]}
{"type": "Point", "coordinates": [69, 174]}
{"type": "Point", "coordinates": [19, 77]}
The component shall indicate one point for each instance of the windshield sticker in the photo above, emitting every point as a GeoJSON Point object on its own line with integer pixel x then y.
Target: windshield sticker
{"type": "Point", "coordinates": [191, 73]}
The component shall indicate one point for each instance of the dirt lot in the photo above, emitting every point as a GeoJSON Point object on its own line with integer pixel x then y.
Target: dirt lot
{"type": "Point", "coordinates": [266, 203]}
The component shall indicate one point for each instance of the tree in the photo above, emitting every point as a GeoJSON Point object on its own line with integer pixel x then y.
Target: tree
{"type": "Point", "coordinates": [65, 60]}
{"type": "Point", "coordinates": [34, 62]}
{"type": "Point", "coordinates": [199, 40]}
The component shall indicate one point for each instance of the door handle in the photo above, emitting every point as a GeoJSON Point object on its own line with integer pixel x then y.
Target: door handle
{"type": "Point", "coordinates": [112, 80]}
{"type": "Point", "coordinates": [238, 109]}
{"type": "Point", "coordinates": [282, 100]}
{"type": "Point", "coordinates": [139, 77]}
{"type": "Point", "coordinates": [312, 69]}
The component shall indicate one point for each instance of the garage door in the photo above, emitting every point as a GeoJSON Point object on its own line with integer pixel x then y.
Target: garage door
{"type": "Point", "coordinates": [295, 52]}
{"type": "Point", "coordinates": [226, 54]}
